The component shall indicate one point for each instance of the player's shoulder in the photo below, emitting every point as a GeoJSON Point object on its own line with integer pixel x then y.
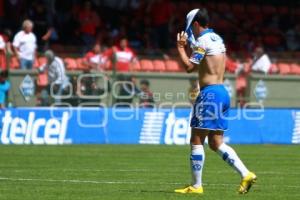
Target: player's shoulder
{"type": "Point", "coordinates": [19, 34]}
{"type": "Point", "coordinates": [211, 42]}
{"type": "Point", "coordinates": [209, 36]}
{"type": "Point", "coordinates": [32, 35]}
{"type": "Point", "coordinates": [58, 59]}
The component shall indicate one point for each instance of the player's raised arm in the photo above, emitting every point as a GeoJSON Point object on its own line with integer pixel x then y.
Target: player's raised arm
{"type": "Point", "coordinates": [181, 44]}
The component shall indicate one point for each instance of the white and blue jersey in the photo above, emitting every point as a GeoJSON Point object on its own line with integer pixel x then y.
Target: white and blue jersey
{"type": "Point", "coordinates": [210, 110]}
{"type": "Point", "coordinates": [208, 43]}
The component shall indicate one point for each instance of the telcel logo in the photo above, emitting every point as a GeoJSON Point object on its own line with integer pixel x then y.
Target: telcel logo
{"type": "Point", "coordinates": [178, 130]}
{"type": "Point", "coordinates": [20, 131]}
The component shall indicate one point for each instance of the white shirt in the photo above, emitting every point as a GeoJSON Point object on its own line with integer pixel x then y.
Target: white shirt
{"type": "Point", "coordinates": [26, 43]}
{"type": "Point", "coordinates": [2, 43]}
{"type": "Point", "coordinates": [56, 72]}
{"type": "Point", "coordinates": [208, 43]}
{"type": "Point", "coordinates": [124, 56]}
{"type": "Point", "coordinates": [97, 59]}
{"type": "Point", "coordinates": [262, 64]}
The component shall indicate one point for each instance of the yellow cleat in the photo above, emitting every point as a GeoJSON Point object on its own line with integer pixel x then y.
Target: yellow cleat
{"type": "Point", "coordinates": [190, 190]}
{"type": "Point", "coordinates": [247, 182]}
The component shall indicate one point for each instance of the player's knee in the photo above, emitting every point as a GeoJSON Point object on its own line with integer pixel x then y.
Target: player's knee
{"type": "Point", "coordinates": [213, 145]}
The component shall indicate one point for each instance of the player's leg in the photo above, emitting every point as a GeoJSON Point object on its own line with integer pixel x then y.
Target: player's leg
{"type": "Point", "coordinates": [216, 143]}
{"type": "Point", "coordinates": [197, 155]}
{"type": "Point", "coordinates": [196, 160]}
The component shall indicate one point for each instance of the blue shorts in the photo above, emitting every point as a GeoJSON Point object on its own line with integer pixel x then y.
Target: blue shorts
{"type": "Point", "coordinates": [211, 108]}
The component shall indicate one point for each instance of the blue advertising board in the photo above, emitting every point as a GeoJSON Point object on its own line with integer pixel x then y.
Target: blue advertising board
{"type": "Point", "coordinates": [55, 126]}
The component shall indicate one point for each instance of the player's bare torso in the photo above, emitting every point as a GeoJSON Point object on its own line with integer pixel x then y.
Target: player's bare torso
{"type": "Point", "coordinates": [211, 70]}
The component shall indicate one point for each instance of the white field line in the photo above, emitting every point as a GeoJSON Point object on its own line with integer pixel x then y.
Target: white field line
{"type": "Point", "coordinates": [126, 182]}
{"type": "Point", "coordinates": [72, 181]}
{"type": "Point", "coordinates": [147, 170]}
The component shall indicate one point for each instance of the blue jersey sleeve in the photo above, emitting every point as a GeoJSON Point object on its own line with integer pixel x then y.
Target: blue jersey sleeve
{"type": "Point", "coordinates": [197, 55]}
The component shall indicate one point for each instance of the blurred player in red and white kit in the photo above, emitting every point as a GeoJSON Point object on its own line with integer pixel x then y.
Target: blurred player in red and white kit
{"type": "Point", "coordinates": [96, 59]}
{"type": "Point", "coordinates": [123, 55]}
{"type": "Point", "coordinates": [2, 53]}
{"type": "Point", "coordinates": [5, 48]}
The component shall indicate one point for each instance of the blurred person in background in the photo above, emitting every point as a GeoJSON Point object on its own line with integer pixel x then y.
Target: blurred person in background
{"type": "Point", "coordinates": [292, 37]}
{"type": "Point", "coordinates": [67, 23]}
{"type": "Point", "coordinates": [123, 56]}
{"type": "Point", "coordinates": [5, 48]}
{"type": "Point", "coordinates": [57, 79]}
{"type": "Point", "coordinates": [2, 53]}
{"type": "Point", "coordinates": [261, 62]}
{"type": "Point", "coordinates": [43, 27]}
{"type": "Point", "coordinates": [4, 87]}
{"type": "Point", "coordinates": [95, 59]}
{"type": "Point", "coordinates": [92, 89]}
{"type": "Point", "coordinates": [128, 90]}
{"type": "Point", "coordinates": [161, 14]}
{"type": "Point", "coordinates": [89, 22]}
{"type": "Point", "coordinates": [24, 44]}
{"type": "Point", "coordinates": [14, 11]}
{"type": "Point", "coordinates": [146, 96]}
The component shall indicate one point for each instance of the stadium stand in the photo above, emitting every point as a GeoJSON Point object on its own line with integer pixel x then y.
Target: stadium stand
{"type": "Point", "coordinates": [147, 65]}
{"type": "Point", "coordinates": [159, 65]}
{"type": "Point", "coordinates": [267, 26]}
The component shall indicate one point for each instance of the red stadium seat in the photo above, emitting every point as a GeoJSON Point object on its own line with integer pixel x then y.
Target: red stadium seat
{"type": "Point", "coordinates": [80, 64]}
{"type": "Point", "coordinates": [42, 60]}
{"type": "Point", "coordinates": [295, 69]}
{"type": "Point", "coordinates": [14, 63]}
{"type": "Point", "coordinates": [146, 65]}
{"type": "Point", "coordinates": [173, 66]}
{"type": "Point", "coordinates": [36, 63]}
{"type": "Point", "coordinates": [42, 79]}
{"type": "Point", "coordinates": [273, 69]}
{"type": "Point", "coordinates": [136, 66]}
{"type": "Point", "coordinates": [284, 68]}
{"type": "Point", "coordinates": [159, 65]}
{"type": "Point", "coordinates": [70, 63]}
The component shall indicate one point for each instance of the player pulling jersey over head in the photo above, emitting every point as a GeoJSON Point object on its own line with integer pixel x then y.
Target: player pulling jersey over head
{"type": "Point", "coordinates": [211, 107]}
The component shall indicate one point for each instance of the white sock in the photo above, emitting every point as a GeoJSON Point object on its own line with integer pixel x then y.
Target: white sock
{"type": "Point", "coordinates": [197, 163]}
{"type": "Point", "coordinates": [230, 156]}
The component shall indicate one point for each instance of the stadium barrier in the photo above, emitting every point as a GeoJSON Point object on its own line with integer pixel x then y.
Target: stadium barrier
{"type": "Point", "coordinates": [57, 126]}
{"type": "Point", "coordinates": [167, 87]}
{"type": "Point", "coordinates": [272, 90]}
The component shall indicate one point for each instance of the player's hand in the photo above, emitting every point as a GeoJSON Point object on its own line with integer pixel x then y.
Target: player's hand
{"type": "Point", "coordinates": [181, 39]}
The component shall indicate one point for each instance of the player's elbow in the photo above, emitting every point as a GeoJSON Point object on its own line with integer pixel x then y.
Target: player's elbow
{"type": "Point", "coordinates": [189, 70]}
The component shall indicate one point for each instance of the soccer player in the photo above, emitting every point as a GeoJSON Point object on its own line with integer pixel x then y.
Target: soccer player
{"type": "Point", "coordinates": [212, 105]}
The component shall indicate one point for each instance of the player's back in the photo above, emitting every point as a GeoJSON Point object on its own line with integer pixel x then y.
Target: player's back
{"type": "Point", "coordinates": [211, 69]}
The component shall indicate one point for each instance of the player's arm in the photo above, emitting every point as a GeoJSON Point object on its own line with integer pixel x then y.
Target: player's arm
{"type": "Point", "coordinates": [198, 53]}
{"type": "Point", "coordinates": [181, 45]}
{"type": "Point", "coordinates": [16, 45]}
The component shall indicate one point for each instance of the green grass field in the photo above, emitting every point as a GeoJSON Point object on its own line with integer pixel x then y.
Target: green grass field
{"type": "Point", "coordinates": [132, 172]}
